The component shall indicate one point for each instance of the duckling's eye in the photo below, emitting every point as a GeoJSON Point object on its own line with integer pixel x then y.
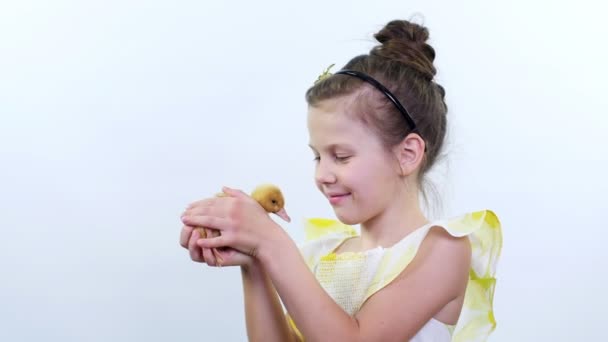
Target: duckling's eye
{"type": "Point", "coordinates": [274, 201]}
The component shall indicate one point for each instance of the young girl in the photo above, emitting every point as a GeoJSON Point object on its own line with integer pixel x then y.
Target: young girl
{"type": "Point", "coordinates": [376, 127]}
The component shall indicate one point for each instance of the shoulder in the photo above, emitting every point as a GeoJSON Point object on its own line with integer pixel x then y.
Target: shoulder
{"type": "Point", "coordinates": [444, 257]}
{"type": "Point", "coordinates": [441, 246]}
{"type": "Point", "coordinates": [437, 275]}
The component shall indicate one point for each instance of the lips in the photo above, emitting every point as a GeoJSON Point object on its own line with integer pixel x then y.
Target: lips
{"type": "Point", "coordinates": [336, 198]}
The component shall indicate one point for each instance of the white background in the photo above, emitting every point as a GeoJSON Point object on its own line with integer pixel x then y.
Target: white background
{"type": "Point", "coordinates": [115, 115]}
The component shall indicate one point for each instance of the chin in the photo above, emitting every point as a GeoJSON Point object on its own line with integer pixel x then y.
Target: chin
{"type": "Point", "coordinates": [347, 219]}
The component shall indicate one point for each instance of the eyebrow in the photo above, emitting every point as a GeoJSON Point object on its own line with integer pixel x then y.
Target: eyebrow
{"type": "Point", "coordinates": [334, 147]}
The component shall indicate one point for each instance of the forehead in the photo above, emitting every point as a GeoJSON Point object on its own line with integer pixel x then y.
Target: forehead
{"type": "Point", "coordinates": [332, 122]}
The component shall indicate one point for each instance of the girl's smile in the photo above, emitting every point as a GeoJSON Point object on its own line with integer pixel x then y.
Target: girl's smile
{"type": "Point", "coordinates": [337, 199]}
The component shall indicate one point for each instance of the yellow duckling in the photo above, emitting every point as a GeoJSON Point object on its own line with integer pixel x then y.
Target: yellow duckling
{"type": "Point", "coordinates": [269, 196]}
{"type": "Point", "coordinates": [271, 199]}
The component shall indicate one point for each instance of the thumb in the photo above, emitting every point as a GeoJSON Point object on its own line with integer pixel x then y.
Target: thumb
{"type": "Point", "coordinates": [234, 192]}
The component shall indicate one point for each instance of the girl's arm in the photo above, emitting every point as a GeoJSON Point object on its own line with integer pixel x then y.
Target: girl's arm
{"type": "Point", "coordinates": [263, 311]}
{"type": "Point", "coordinates": [437, 275]}
{"type": "Point", "coordinates": [395, 313]}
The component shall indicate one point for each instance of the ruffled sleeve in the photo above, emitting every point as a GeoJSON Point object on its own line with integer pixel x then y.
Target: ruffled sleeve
{"type": "Point", "coordinates": [477, 320]}
{"type": "Point", "coordinates": [322, 237]}
{"type": "Point", "coordinates": [483, 229]}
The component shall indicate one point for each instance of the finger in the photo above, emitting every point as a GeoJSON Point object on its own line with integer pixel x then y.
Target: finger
{"type": "Point", "coordinates": [202, 203]}
{"type": "Point", "coordinates": [205, 201]}
{"type": "Point", "coordinates": [218, 258]}
{"type": "Point", "coordinates": [232, 257]}
{"type": "Point", "coordinates": [216, 209]}
{"type": "Point", "coordinates": [209, 257]}
{"type": "Point", "coordinates": [193, 248]}
{"type": "Point", "coordinates": [184, 236]}
{"type": "Point", "coordinates": [208, 254]}
{"type": "Point", "coordinates": [216, 242]}
{"type": "Point", "coordinates": [214, 222]}
{"type": "Point", "coordinates": [234, 192]}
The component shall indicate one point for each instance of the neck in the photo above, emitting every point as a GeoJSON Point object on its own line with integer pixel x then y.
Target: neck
{"type": "Point", "coordinates": [400, 218]}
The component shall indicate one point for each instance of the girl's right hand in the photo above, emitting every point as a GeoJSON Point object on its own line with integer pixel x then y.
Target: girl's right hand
{"type": "Point", "coordinates": [230, 257]}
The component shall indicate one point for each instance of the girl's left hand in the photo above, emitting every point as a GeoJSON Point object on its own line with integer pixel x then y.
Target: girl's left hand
{"type": "Point", "coordinates": [243, 223]}
{"type": "Point", "coordinates": [228, 256]}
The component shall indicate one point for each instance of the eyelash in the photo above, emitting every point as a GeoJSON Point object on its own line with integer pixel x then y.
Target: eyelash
{"type": "Point", "coordinates": [340, 159]}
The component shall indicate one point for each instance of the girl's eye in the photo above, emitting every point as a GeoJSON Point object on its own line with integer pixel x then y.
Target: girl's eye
{"type": "Point", "coordinates": [336, 158]}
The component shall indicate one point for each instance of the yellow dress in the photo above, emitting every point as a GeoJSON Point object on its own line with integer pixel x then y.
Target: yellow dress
{"type": "Point", "coordinates": [352, 277]}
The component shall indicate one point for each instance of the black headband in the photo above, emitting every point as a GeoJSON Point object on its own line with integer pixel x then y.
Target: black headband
{"type": "Point", "coordinates": [384, 90]}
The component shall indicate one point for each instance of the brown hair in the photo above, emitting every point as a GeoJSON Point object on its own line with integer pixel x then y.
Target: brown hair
{"type": "Point", "coordinates": [403, 63]}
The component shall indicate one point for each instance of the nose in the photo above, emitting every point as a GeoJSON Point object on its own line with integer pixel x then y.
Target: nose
{"type": "Point", "coordinates": [324, 174]}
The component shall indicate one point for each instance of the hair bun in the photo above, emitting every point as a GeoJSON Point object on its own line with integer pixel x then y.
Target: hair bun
{"type": "Point", "coordinates": [405, 42]}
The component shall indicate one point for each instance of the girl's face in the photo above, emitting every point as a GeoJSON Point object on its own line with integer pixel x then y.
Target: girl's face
{"type": "Point", "coordinates": [353, 169]}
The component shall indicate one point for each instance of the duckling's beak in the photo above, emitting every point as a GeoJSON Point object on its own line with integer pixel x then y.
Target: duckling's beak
{"type": "Point", "coordinates": [283, 214]}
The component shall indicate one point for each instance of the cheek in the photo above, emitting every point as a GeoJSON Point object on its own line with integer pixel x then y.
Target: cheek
{"type": "Point", "coordinates": [373, 182]}
{"type": "Point", "coordinates": [366, 171]}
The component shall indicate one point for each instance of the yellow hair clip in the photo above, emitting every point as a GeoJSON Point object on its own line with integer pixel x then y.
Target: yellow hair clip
{"type": "Point", "coordinates": [325, 74]}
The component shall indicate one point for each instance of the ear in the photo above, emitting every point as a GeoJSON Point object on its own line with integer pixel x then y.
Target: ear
{"type": "Point", "coordinates": [410, 153]}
